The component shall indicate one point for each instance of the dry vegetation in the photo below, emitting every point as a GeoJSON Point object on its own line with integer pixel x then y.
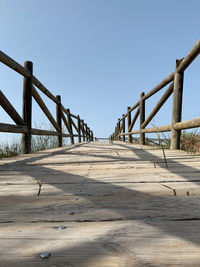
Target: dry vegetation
{"type": "Point", "coordinates": [40, 142]}
{"type": "Point", "coordinates": [190, 142]}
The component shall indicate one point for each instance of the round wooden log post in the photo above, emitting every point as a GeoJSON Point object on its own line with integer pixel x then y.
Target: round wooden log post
{"type": "Point", "coordinates": [70, 126]}
{"type": "Point", "coordinates": [116, 137]}
{"type": "Point", "coordinates": [118, 129]}
{"type": "Point", "coordinates": [59, 120]}
{"type": "Point", "coordinates": [129, 123]}
{"type": "Point", "coordinates": [86, 131]}
{"type": "Point", "coordinates": [85, 125]}
{"type": "Point", "coordinates": [27, 107]}
{"type": "Point", "coordinates": [83, 130]}
{"type": "Point", "coordinates": [79, 129]}
{"type": "Point", "coordinates": [123, 128]}
{"type": "Point", "coordinates": [177, 106]}
{"type": "Point", "coordinates": [89, 134]}
{"type": "Point", "coordinates": [142, 117]}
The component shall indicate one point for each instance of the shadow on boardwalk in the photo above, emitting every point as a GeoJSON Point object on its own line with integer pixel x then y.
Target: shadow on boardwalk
{"type": "Point", "coordinates": [101, 201]}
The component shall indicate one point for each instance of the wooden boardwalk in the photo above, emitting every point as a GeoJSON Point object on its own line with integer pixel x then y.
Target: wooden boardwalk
{"type": "Point", "coordinates": [121, 205]}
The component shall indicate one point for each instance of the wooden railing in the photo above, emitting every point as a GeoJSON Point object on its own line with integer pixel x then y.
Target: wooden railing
{"type": "Point", "coordinates": [175, 80]}
{"type": "Point", "coordinates": [23, 124]}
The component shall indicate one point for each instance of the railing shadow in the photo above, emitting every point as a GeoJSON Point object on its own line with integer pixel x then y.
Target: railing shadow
{"type": "Point", "coordinates": [98, 201]}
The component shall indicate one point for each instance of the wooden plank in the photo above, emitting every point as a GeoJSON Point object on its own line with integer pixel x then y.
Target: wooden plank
{"type": "Point", "coordinates": [125, 210]}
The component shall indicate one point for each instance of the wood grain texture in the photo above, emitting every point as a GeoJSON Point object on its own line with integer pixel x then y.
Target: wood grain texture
{"type": "Point", "coordinates": [124, 209]}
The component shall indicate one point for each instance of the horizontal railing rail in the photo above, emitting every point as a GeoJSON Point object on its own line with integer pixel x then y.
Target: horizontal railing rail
{"type": "Point", "coordinates": [75, 126]}
{"type": "Point", "coordinates": [175, 88]}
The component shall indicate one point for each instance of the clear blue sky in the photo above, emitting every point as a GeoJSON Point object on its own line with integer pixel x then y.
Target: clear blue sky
{"type": "Point", "coordinates": [100, 54]}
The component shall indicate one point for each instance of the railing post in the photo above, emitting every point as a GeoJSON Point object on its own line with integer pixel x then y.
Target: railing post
{"type": "Point", "coordinates": [177, 106]}
{"type": "Point", "coordinates": [79, 129]}
{"type": "Point", "coordinates": [129, 123]}
{"type": "Point", "coordinates": [83, 130]}
{"type": "Point", "coordinates": [115, 133]}
{"type": "Point", "coordinates": [70, 126]}
{"type": "Point", "coordinates": [89, 133]}
{"type": "Point", "coordinates": [123, 128]}
{"type": "Point", "coordinates": [92, 136]}
{"type": "Point", "coordinates": [27, 108]}
{"type": "Point", "coordinates": [118, 130]}
{"type": "Point", "coordinates": [59, 121]}
{"type": "Point", "coordinates": [86, 130]}
{"type": "Point", "coordinates": [142, 117]}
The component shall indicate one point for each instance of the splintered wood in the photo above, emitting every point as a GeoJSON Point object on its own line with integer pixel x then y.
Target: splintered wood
{"type": "Point", "coordinates": [100, 204]}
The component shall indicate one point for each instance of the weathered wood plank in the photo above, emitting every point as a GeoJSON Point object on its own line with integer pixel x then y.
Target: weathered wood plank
{"type": "Point", "coordinates": [11, 128]}
{"type": "Point", "coordinates": [125, 210]}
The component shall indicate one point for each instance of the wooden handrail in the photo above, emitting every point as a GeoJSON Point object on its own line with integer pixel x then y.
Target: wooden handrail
{"type": "Point", "coordinates": [7, 106]}
{"type": "Point", "coordinates": [74, 125]}
{"type": "Point", "coordinates": [160, 103]}
{"type": "Point", "coordinates": [24, 123]}
{"type": "Point", "coordinates": [44, 108]}
{"type": "Point", "coordinates": [134, 119]}
{"type": "Point", "coordinates": [176, 87]}
{"type": "Point", "coordinates": [11, 128]}
{"type": "Point", "coordinates": [194, 52]}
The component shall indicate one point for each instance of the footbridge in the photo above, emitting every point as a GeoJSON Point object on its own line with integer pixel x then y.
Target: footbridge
{"type": "Point", "coordinates": [117, 202]}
